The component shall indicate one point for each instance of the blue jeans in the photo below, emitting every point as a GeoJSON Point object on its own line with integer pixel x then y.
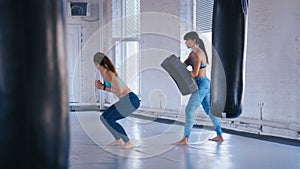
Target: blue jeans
{"type": "Point", "coordinates": [123, 108]}
{"type": "Point", "coordinates": [201, 96]}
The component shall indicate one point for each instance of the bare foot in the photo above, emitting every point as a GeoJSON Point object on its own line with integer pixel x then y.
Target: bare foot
{"type": "Point", "coordinates": [116, 142]}
{"type": "Point", "coordinates": [218, 138]}
{"type": "Point", "coordinates": [183, 141]}
{"type": "Point", "coordinates": [127, 145]}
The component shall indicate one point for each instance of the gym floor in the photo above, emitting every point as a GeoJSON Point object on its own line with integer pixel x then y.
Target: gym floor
{"type": "Point", "coordinates": [154, 149]}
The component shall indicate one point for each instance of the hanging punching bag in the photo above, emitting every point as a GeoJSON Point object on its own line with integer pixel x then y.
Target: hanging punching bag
{"type": "Point", "coordinates": [34, 124]}
{"type": "Point", "coordinates": [228, 59]}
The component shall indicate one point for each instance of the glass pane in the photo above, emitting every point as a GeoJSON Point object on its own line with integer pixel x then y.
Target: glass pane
{"type": "Point", "coordinates": [116, 19]}
{"type": "Point", "coordinates": [132, 21]}
{"type": "Point", "coordinates": [127, 63]}
{"type": "Point", "coordinates": [125, 19]}
{"type": "Point", "coordinates": [132, 65]}
{"type": "Point", "coordinates": [204, 12]}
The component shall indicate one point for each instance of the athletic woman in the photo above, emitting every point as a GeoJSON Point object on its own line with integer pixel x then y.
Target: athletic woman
{"type": "Point", "coordinates": [198, 60]}
{"type": "Point", "coordinates": [127, 104]}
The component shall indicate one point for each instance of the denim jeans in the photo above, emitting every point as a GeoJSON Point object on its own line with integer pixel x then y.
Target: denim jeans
{"type": "Point", "coordinates": [123, 108]}
{"type": "Point", "coordinates": [201, 96]}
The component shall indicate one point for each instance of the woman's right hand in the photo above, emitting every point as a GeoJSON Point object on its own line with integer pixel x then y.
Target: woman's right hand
{"type": "Point", "coordinates": [99, 85]}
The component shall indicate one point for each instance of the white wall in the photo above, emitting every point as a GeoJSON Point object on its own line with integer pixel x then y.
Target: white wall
{"type": "Point", "coordinates": [273, 65]}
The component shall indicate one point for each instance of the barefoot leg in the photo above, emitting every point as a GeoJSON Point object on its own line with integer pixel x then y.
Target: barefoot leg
{"type": "Point", "coordinates": [116, 142]}
{"type": "Point", "coordinates": [218, 138]}
{"type": "Point", "coordinates": [183, 141]}
{"type": "Point", "coordinates": [127, 145]}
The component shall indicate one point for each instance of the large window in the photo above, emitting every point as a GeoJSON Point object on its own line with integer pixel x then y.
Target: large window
{"type": "Point", "coordinates": [126, 33]}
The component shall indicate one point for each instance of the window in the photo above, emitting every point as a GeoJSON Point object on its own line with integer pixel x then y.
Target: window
{"type": "Point", "coordinates": [126, 33]}
{"type": "Point", "coordinates": [126, 18]}
{"type": "Point", "coordinates": [127, 63]}
{"type": "Point", "coordinates": [203, 15]}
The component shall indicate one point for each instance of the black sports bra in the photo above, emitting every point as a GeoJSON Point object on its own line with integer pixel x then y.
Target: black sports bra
{"type": "Point", "coordinates": [202, 66]}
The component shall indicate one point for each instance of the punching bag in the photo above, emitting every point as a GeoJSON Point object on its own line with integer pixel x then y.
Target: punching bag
{"type": "Point", "coordinates": [229, 31]}
{"type": "Point", "coordinates": [34, 123]}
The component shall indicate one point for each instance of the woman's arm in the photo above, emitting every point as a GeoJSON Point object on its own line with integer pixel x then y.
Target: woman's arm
{"type": "Point", "coordinates": [197, 56]}
{"type": "Point", "coordinates": [187, 61]}
{"type": "Point", "coordinates": [196, 69]}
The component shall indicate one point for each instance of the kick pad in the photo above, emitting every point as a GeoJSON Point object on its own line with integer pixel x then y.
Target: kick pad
{"type": "Point", "coordinates": [182, 77]}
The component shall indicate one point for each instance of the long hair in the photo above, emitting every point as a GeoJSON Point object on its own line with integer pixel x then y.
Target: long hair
{"type": "Point", "coordinates": [194, 36]}
{"type": "Point", "coordinates": [103, 60]}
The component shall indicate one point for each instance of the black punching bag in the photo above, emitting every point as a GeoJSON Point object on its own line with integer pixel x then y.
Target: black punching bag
{"type": "Point", "coordinates": [228, 61]}
{"type": "Point", "coordinates": [34, 123]}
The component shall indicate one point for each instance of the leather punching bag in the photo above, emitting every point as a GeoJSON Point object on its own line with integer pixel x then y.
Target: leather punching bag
{"type": "Point", "coordinates": [228, 60]}
{"type": "Point", "coordinates": [34, 122]}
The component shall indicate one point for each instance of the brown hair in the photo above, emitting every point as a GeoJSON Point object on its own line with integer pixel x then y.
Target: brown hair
{"type": "Point", "coordinates": [194, 36]}
{"type": "Point", "coordinates": [103, 60]}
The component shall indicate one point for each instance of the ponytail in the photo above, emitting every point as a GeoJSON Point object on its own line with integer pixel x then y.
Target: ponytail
{"type": "Point", "coordinates": [202, 47]}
